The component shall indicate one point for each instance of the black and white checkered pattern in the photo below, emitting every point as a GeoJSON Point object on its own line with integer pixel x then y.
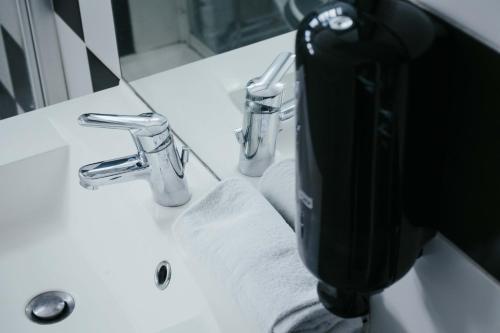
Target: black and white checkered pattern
{"type": "Point", "coordinates": [88, 45]}
{"type": "Point", "coordinates": [16, 95]}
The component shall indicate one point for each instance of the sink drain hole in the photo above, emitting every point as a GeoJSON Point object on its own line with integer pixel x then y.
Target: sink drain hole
{"type": "Point", "coordinates": [50, 307]}
{"type": "Point", "coordinates": [163, 274]}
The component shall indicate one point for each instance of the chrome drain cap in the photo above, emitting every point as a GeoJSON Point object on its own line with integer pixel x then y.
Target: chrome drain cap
{"type": "Point", "coordinates": [50, 307]}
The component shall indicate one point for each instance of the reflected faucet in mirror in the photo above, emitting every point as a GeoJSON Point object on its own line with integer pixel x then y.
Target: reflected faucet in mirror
{"type": "Point", "coordinates": [157, 159]}
{"type": "Point", "coordinates": [263, 113]}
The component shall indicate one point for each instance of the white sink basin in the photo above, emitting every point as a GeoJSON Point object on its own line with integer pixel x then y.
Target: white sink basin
{"type": "Point", "coordinates": [100, 246]}
{"type": "Point", "coordinates": [28, 212]}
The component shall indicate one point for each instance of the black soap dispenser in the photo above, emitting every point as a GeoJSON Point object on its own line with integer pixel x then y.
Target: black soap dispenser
{"type": "Point", "coordinates": [353, 63]}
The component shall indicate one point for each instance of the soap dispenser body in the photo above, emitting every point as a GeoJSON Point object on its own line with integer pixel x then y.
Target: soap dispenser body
{"type": "Point", "coordinates": [353, 75]}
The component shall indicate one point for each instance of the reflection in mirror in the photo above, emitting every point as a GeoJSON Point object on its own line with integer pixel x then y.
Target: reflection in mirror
{"type": "Point", "coordinates": [31, 74]}
{"type": "Point", "coordinates": [157, 35]}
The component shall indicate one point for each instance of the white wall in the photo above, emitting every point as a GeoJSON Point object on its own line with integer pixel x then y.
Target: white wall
{"type": "Point", "coordinates": [155, 23]}
{"type": "Point", "coordinates": [481, 18]}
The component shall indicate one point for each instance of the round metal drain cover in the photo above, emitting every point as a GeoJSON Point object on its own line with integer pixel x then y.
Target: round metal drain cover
{"type": "Point", "coordinates": [50, 307]}
{"type": "Point", "coordinates": [163, 274]}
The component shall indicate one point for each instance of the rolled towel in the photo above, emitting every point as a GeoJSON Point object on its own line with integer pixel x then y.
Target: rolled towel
{"type": "Point", "coordinates": [250, 249]}
{"type": "Point", "coordinates": [277, 184]}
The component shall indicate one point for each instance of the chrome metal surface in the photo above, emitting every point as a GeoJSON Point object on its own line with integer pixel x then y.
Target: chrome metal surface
{"type": "Point", "coordinates": [185, 152]}
{"type": "Point", "coordinates": [156, 161]}
{"type": "Point", "coordinates": [163, 274]}
{"type": "Point", "coordinates": [50, 307]}
{"type": "Point", "coordinates": [287, 110]}
{"type": "Point", "coordinates": [263, 113]}
{"type": "Point", "coordinates": [273, 74]}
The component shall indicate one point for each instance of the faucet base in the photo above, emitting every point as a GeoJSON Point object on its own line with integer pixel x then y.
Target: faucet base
{"type": "Point", "coordinates": [254, 168]}
{"type": "Point", "coordinates": [180, 198]}
{"type": "Point", "coordinates": [157, 159]}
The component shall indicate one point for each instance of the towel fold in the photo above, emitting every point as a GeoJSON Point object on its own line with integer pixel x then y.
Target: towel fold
{"type": "Point", "coordinates": [277, 184]}
{"type": "Point", "coordinates": [251, 250]}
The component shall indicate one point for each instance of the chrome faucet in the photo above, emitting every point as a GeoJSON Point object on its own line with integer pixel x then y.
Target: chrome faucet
{"type": "Point", "coordinates": [157, 159]}
{"type": "Point", "coordinates": [264, 111]}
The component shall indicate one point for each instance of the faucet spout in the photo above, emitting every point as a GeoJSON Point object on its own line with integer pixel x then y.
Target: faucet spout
{"type": "Point", "coordinates": [113, 171]}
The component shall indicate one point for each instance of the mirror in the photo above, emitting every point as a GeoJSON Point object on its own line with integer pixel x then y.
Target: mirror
{"type": "Point", "coordinates": [158, 35]}
{"type": "Point", "coordinates": [174, 55]}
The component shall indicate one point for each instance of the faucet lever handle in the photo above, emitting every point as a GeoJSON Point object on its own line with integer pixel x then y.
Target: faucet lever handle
{"type": "Point", "coordinates": [145, 124]}
{"type": "Point", "coordinates": [275, 72]}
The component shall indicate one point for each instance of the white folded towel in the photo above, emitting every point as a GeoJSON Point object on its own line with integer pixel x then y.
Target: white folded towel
{"type": "Point", "coordinates": [278, 186]}
{"type": "Point", "coordinates": [250, 249]}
